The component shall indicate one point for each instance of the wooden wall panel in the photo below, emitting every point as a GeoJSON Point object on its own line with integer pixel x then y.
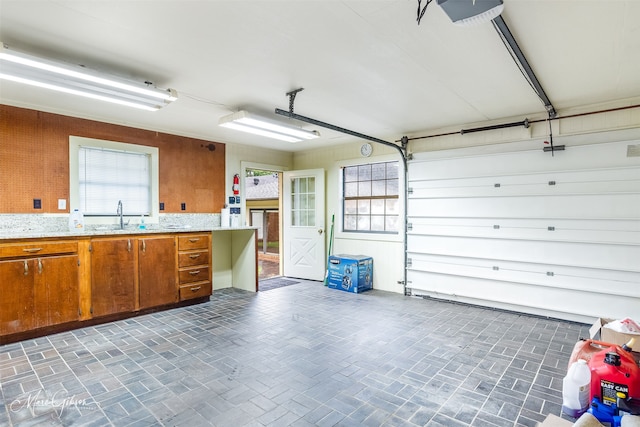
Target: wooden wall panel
{"type": "Point", "coordinates": [34, 162]}
{"type": "Point", "coordinates": [23, 162]}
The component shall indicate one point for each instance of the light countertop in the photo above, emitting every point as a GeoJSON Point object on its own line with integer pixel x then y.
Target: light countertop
{"type": "Point", "coordinates": [112, 231]}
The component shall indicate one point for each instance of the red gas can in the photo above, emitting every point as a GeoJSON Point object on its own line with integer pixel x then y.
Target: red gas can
{"type": "Point", "coordinates": [585, 349]}
{"type": "Point", "coordinates": [614, 374]}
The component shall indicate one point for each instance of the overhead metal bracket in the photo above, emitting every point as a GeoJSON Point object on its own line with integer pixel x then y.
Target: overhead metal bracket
{"type": "Point", "coordinates": [405, 142]}
{"type": "Point", "coordinates": [551, 147]}
{"type": "Point", "coordinates": [292, 97]}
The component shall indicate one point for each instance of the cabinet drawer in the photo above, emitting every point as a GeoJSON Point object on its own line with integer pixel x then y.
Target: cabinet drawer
{"type": "Point", "coordinates": [188, 259]}
{"type": "Point", "coordinates": [195, 290]}
{"type": "Point", "coordinates": [197, 274]}
{"type": "Point", "coordinates": [14, 250]}
{"type": "Point", "coordinates": [193, 241]}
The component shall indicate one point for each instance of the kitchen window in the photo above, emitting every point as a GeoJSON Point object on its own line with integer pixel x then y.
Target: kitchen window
{"type": "Point", "coordinates": [370, 198]}
{"type": "Point", "coordinates": [107, 176]}
{"type": "Point", "coordinates": [106, 172]}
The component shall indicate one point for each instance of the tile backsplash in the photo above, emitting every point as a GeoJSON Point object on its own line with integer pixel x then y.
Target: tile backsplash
{"type": "Point", "coordinates": [36, 223]}
{"type": "Point", "coordinates": [193, 220]}
{"type": "Point", "coordinates": [33, 223]}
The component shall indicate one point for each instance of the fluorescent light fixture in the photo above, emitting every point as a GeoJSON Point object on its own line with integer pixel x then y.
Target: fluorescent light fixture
{"type": "Point", "coordinates": [24, 68]}
{"type": "Point", "coordinates": [471, 12]}
{"type": "Point", "coordinates": [247, 122]}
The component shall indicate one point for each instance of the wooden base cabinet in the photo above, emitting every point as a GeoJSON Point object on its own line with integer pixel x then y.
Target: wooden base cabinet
{"type": "Point", "coordinates": [39, 290]}
{"type": "Point", "coordinates": [157, 271]}
{"type": "Point", "coordinates": [17, 299]}
{"type": "Point", "coordinates": [194, 266]}
{"type": "Point", "coordinates": [57, 290]}
{"type": "Point", "coordinates": [47, 282]}
{"type": "Point", "coordinates": [132, 273]}
{"type": "Point", "coordinates": [113, 269]}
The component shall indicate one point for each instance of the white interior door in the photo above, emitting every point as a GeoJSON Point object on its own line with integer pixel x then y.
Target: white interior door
{"type": "Point", "coordinates": [303, 224]}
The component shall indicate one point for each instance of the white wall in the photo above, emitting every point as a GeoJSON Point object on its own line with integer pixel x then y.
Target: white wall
{"type": "Point", "coordinates": [387, 251]}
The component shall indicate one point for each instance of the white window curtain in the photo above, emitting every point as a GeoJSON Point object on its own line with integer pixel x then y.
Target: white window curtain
{"type": "Point", "coordinates": [109, 176]}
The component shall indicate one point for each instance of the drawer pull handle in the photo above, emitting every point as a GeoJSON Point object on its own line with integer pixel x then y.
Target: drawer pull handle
{"type": "Point", "coordinates": [194, 240]}
{"type": "Point", "coordinates": [128, 245]}
{"type": "Point", "coordinates": [26, 268]}
{"type": "Point", "coordinates": [194, 272]}
{"type": "Point", "coordinates": [196, 288]}
{"type": "Point", "coordinates": [32, 250]}
{"type": "Point", "coordinates": [194, 256]}
{"type": "Point", "coordinates": [39, 266]}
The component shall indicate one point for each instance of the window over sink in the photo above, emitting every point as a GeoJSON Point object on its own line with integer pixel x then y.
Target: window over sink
{"type": "Point", "coordinates": [102, 173]}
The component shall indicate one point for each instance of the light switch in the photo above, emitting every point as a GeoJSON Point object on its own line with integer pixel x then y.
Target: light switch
{"type": "Point", "coordinates": [62, 204]}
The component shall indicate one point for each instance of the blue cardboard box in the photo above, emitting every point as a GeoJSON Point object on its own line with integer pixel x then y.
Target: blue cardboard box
{"type": "Point", "coordinates": [350, 273]}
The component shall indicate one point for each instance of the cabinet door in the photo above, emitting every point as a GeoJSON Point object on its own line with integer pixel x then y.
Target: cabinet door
{"type": "Point", "coordinates": [56, 285]}
{"type": "Point", "coordinates": [17, 300]}
{"type": "Point", "coordinates": [112, 276]}
{"type": "Point", "coordinates": [157, 271]}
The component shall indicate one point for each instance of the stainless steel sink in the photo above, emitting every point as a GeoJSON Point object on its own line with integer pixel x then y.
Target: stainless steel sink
{"type": "Point", "coordinates": [115, 228]}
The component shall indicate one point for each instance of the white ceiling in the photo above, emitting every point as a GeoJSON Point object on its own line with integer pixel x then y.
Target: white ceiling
{"type": "Point", "coordinates": [365, 65]}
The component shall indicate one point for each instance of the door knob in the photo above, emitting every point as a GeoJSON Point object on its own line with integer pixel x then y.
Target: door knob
{"type": "Point", "coordinates": [320, 230]}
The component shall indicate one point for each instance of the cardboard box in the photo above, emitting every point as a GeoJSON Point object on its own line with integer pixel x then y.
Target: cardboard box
{"type": "Point", "coordinates": [350, 273]}
{"type": "Point", "coordinates": [611, 336]}
{"type": "Point", "coordinates": [555, 421]}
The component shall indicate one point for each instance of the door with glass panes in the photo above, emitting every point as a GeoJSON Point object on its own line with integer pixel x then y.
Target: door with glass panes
{"type": "Point", "coordinates": [304, 225]}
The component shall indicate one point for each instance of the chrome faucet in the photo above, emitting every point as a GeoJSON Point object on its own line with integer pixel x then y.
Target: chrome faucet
{"type": "Point", "coordinates": [119, 213]}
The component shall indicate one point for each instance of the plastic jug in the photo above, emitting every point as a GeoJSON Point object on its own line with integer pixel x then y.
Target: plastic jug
{"type": "Point", "coordinates": [76, 221]}
{"type": "Point", "coordinates": [576, 388]}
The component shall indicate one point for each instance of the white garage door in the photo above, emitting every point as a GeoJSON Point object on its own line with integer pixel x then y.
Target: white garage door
{"type": "Point", "coordinates": [556, 236]}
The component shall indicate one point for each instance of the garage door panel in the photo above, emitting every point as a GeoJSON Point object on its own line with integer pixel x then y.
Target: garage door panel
{"type": "Point", "coordinates": [522, 230]}
{"type": "Point", "coordinates": [574, 305]}
{"type": "Point", "coordinates": [595, 206]}
{"type": "Point", "coordinates": [479, 166]}
{"type": "Point", "coordinates": [610, 282]}
{"type": "Point", "coordinates": [494, 160]}
{"type": "Point", "coordinates": [620, 180]}
{"type": "Point", "coordinates": [615, 257]}
{"type": "Point", "coordinates": [552, 229]}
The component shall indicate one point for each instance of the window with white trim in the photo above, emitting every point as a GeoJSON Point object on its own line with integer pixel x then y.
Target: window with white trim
{"type": "Point", "coordinates": [101, 173]}
{"type": "Point", "coordinates": [106, 177]}
{"type": "Point", "coordinates": [371, 201]}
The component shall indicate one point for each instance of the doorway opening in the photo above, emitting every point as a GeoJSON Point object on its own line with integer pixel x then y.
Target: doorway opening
{"type": "Point", "coordinates": [262, 196]}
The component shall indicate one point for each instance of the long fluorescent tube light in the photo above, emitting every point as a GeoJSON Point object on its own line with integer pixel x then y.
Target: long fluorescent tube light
{"type": "Point", "coordinates": [27, 69]}
{"type": "Point", "coordinates": [247, 122]}
{"type": "Point", "coordinates": [471, 12]}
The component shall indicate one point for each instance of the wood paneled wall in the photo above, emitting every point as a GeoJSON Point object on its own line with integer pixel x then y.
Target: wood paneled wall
{"type": "Point", "coordinates": [34, 162]}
